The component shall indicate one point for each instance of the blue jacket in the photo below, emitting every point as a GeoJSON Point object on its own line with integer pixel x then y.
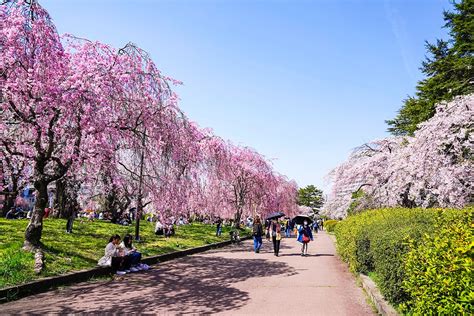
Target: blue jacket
{"type": "Point", "coordinates": [307, 232]}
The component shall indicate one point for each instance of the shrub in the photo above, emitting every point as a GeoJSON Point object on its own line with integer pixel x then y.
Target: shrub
{"type": "Point", "coordinates": [380, 241]}
{"type": "Point", "coordinates": [349, 234]}
{"type": "Point", "coordinates": [389, 244]}
{"type": "Point", "coordinates": [439, 270]}
{"type": "Point", "coordinates": [330, 225]}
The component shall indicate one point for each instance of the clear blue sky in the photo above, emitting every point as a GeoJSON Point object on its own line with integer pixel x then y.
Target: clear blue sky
{"type": "Point", "coordinates": [302, 82]}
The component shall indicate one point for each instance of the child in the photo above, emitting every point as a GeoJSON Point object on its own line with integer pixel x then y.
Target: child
{"type": "Point", "coordinates": [115, 257]}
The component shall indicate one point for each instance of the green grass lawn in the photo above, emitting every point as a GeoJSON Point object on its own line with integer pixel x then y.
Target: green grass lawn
{"type": "Point", "coordinates": [83, 248]}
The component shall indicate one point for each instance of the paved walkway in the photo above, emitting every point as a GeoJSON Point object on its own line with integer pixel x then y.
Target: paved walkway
{"type": "Point", "coordinates": [232, 280]}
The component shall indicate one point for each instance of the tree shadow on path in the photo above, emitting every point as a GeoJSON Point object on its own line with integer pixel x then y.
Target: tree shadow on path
{"type": "Point", "coordinates": [267, 246]}
{"type": "Point", "coordinates": [196, 284]}
{"type": "Point", "coordinates": [308, 255]}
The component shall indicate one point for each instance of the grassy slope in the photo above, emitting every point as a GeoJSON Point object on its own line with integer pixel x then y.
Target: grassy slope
{"type": "Point", "coordinates": [82, 248]}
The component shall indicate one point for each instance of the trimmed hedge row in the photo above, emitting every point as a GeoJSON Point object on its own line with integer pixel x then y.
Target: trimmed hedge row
{"type": "Point", "coordinates": [329, 225]}
{"type": "Point", "coordinates": [423, 258]}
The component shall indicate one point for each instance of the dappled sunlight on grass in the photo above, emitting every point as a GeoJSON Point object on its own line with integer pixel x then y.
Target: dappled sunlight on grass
{"type": "Point", "coordinates": [83, 248]}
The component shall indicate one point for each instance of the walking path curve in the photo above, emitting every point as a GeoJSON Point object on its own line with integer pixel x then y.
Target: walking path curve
{"type": "Point", "coordinates": [231, 280]}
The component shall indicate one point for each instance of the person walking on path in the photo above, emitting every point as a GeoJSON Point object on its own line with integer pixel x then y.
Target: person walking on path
{"type": "Point", "coordinates": [274, 231]}
{"type": "Point", "coordinates": [315, 226]}
{"type": "Point", "coordinates": [257, 233]}
{"type": "Point", "coordinates": [287, 228]}
{"type": "Point", "coordinates": [304, 237]}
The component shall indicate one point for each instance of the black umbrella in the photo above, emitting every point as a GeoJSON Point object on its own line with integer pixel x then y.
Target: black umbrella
{"type": "Point", "coordinates": [275, 215]}
{"type": "Point", "coordinates": [299, 219]}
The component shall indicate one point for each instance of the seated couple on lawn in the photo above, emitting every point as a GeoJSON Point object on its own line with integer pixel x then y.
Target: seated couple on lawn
{"type": "Point", "coordinates": [122, 257]}
{"type": "Point", "coordinates": [167, 230]}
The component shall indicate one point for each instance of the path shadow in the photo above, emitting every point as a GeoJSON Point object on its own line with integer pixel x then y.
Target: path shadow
{"type": "Point", "coordinates": [267, 246]}
{"type": "Point", "coordinates": [192, 285]}
{"type": "Point", "coordinates": [309, 255]}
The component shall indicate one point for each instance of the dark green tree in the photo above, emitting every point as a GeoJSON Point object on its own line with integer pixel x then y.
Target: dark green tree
{"type": "Point", "coordinates": [449, 71]}
{"type": "Point", "coordinates": [312, 197]}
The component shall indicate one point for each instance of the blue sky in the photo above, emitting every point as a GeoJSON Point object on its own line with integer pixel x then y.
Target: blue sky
{"type": "Point", "coordinates": [302, 82]}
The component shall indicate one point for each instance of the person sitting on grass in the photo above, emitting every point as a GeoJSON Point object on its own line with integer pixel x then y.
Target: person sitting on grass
{"type": "Point", "coordinates": [169, 230]}
{"type": "Point", "coordinates": [159, 229]}
{"type": "Point", "coordinates": [234, 235]}
{"type": "Point", "coordinates": [12, 214]}
{"type": "Point", "coordinates": [115, 257]}
{"type": "Point", "coordinates": [134, 255]}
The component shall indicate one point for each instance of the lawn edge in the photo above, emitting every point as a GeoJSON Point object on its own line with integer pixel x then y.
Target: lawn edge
{"type": "Point", "coordinates": [372, 292]}
{"type": "Point", "coordinates": [45, 284]}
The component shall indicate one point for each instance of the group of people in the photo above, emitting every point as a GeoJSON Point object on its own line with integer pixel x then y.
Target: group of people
{"type": "Point", "coordinates": [16, 213]}
{"type": "Point", "coordinates": [123, 257]}
{"type": "Point", "coordinates": [166, 230]}
{"type": "Point", "coordinates": [273, 233]}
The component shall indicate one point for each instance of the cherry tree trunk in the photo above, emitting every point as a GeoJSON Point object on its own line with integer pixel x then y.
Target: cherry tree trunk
{"type": "Point", "coordinates": [8, 202]}
{"type": "Point", "coordinates": [139, 211]}
{"type": "Point", "coordinates": [237, 216]}
{"type": "Point", "coordinates": [112, 205]}
{"type": "Point", "coordinates": [138, 215]}
{"type": "Point", "coordinates": [35, 227]}
{"type": "Point", "coordinates": [61, 198]}
{"type": "Point", "coordinates": [10, 197]}
{"type": "Point", "coordinates": [66, 197]}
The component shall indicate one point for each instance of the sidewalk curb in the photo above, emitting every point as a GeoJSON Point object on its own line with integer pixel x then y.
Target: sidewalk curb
{"type": "Point", "coordinates": [49, 283]}
{"type": "Point", "coordinates": [382, 306]}
{"type": "Point", "coordinates": [369, 286]}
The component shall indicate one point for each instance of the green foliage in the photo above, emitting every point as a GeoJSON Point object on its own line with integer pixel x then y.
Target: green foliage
{"type": "Point", "coordinates": [449, 71]}
{"type": "Point", "coordinates": [439, 269]}
{"type": "Point", "coordinates": [348, 232]}
{"type": "Point", "coordinates": [83, 248]}
{"type": "Point", "coordinates": [311, 196]}
{"type": "Point", "coordinates": [392, 244]}
{"type": "Point", "coordinates": [329, 225]}
{"type": "Point", "coordinates": [16, 266]}
{"type": "Point", "coordinates": [388, 247]}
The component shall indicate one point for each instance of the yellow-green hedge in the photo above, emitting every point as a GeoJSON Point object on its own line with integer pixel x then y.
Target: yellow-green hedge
{"type": "Point", "coordinates": [408, 249]}
{"type": "Point", "coordinates": [329, 225]}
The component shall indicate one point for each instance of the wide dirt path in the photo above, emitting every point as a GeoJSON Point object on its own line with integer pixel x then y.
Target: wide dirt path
{"type": "Point", "coordinates": [232, 280]}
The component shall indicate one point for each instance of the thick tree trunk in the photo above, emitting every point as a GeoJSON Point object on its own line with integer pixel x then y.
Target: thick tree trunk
{"type": "Point", "coordinates": [8, 203]}
{"type": "Point", "coordinates": [10, 198]}
{"type": "Point", "coordinates": [237, 216]}
{"type": "Point", "coordinates": [60, 203]}
{"type": "Point", "coordinates": [110, 205]}
{"type": "Point", "coordinates": [406, 201]}
{"type": "Point", "coordinates": [66, 197]}
{"type": "Point", "coordinates": [138, 215]}
{"type": "Point", "coordinates": [35, 227]}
